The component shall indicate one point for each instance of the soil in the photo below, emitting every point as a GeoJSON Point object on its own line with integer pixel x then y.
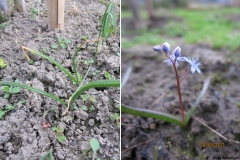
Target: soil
{"type": "Point", "coordinates": [22, 136]}
{"type": "Point", "coordinates": [151, 78]}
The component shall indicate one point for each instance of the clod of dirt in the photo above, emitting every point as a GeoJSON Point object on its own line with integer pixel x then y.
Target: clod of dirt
{"type": "Point", "coordinates": [80, 114]}
{"type": "Point", "coordinates": [209, 105]}
{"type": "Point", "coordinates": [3, 102]}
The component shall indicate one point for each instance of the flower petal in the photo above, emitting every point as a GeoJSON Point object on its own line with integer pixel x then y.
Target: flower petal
{"type": "Point", "coordinates": [199, 71]}
{"type": "Point", "coordinates": [193, 69]}
{"type": "Point", "coordinates": [166, 47]}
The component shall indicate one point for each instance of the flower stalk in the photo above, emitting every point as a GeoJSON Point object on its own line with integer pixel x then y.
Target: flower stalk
{"type": "Point", "coordinates": [178, 87]}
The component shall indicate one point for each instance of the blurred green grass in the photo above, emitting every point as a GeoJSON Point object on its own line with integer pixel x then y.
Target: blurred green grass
{"type": "Point", "coordinates": [211, 27]}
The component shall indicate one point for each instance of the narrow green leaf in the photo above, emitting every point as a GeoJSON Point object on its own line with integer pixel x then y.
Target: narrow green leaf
{"type": "Point", "coordinates": [201, 95]}
{"type": "Point", "coordinates": [94, 84]}
{"type": "Point", "coordinates": [33, 89]}
{"type": "Point", "coordinates": [54, 62]}
{"type": "Point", "coordinates": [106, 25]}
{"type": "Point", "coordinates": [110, 7]}
{"type": "Point", "coordinates": [151, 114]}
{"type": "Point", "coordinates": [114, 21]}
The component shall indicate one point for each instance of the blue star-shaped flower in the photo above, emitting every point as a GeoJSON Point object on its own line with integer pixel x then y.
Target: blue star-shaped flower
{"type": "Point", "coordinates": [175, 57]}
{"type": "Point", "coordinates": [194, 64]}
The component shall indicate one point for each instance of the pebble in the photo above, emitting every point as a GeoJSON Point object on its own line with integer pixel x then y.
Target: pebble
{"type": "Point", "coordinates": [91, 122]}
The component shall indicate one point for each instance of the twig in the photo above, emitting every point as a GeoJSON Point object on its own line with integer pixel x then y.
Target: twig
{"type": "Point", "coordinates": [49, 144]}
{"type": "Point", "coordinates": [203, 123]}
{"type": "Point", "coordinates": [140, 143]}
{"type": "Point", "coordinates": [159, 98]}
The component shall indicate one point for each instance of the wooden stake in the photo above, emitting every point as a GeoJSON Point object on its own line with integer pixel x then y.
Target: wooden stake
{"type": "Point", "coordinates": [55, 14]}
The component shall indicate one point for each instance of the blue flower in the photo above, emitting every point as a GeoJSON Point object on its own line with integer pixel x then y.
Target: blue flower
{"type": "Point", "coordinates": [157, 48]}
{"type": "Point", "coordinates": [166, 47]}
{"type": "Point", "coordinates": [194, 64]}
{"type": "Point", "coordinates": [175, 57]}
{"type": "Point", "coordinates": [177, 52]}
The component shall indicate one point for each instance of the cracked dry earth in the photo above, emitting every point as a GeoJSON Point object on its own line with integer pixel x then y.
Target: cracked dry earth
{"type": "Point", "coordinates": [22, 136]}
{"type": "Point", "coordinates": [151, 78]}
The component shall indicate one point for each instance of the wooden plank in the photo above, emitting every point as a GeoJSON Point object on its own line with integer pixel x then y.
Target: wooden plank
{"type": "Point", "coordinates": [20, 5]}
{"type": "Point", "coordinates": [55, 14]}
{"type": "Point", "coordinates": [61, 6]}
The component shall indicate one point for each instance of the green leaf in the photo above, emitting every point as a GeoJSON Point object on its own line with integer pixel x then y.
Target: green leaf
{"type": "Point", "coordinates": [6, 109]}
{"type": "Point", "coordinates": [14, 90]}
{"type": "Point", "coordinates": [84, 108]}
{"type": "Point", "coordinates": [2, 63]}
{"type": "Point", "coordinates": [151, 114]}
{"type": "Point", "coordinates": [2, 113]}
{"type": "Point", "coordinates": [88, 62]}
{"type": "Point", "coordinates": [48, 155]}
{"type": "Point", "coordinates": [22, 101]}
{"type": "Point", "coordinates": [33, 89]}
{"type": "Point", "coordinates": [67, 41]}
{"type": "Point", "coordinates": [5, 88]}
{"type": "Point", "coordinates": [85, 97]}
{"type": "Point", "coordinates": [54, 62]}
{"type": "Point", "coordinates": [94, 144]}
{"type": "Point", "coordinates": [55, 46]}
{"type": "Point", "coordinates": [106, 25]}
{"type": "Point", "coordinates": [114, 21]}
{"type": "Point", "coordinates": [63, 45]}
{"type": "Point", "coordinates": [6, 96]}
{"type": "Point", "coordinates": [31, 62]}
{"type": "Point", "coordinates": [201, 95]}
{"type": "Point", "coordinates": [75, 107]}
{"type": "Point", "coordinates": [94, 84]}
{"type": "Point", "coordinates": [60, 40]}
{"type": "Point", "coordinates": [54, 128]}
{"type": "Point", "coordinates": [9, 107]}
{"type": "Point", "coordinates": [61, 138]}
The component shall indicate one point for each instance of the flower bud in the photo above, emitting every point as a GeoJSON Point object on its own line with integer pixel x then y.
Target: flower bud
{"type": "Point", "coordinates": [157, 48]}
{"type": "Point", "coordinates": [166, 47]}
{"type": "Point", "coordinates": [177, 52]}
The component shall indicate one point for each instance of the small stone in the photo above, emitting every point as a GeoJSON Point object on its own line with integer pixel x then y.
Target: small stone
{"type": "Point", "coordinates": [37, 84]}
{"type": "Point", "coordinates": [85, 145]}
{"type": "Point", "coordinates": [152, 126]}
{"type": "Point", "coordinates": [3, 102]}
{"type": "Point", "coordinates": [60, 155]}
{"type": "Point", "coordinates": [91, 122]}
{"type": "Point", "coordinates": [81, 114]}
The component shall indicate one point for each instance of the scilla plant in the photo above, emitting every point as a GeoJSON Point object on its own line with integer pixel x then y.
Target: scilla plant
{"type": "Point", "coordinates": [173, 60]}
{"type": "Point", "coordinates": [76, 79]}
